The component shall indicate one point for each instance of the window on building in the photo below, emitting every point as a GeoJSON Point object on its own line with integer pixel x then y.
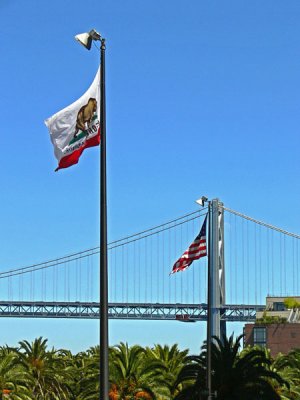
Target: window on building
{"type": "Point", "coordinates": [259, 336]}
{"type": "Point", "coordinates": [278, 306]}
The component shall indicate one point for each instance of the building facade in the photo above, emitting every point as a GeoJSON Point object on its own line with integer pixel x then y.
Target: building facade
{"type": "Point", "coordinates": [277, 328]}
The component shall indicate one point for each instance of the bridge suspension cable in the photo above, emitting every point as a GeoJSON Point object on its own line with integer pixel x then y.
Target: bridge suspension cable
{"type": "Point", "coordinates": [275, 228]}
{"type": "Point", "coordinates": [114, 244]}
{"type": "Point", "coordinates": [261, 259]}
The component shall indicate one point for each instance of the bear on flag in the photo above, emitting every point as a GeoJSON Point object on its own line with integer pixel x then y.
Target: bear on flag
{"type": "Point", "coordinates": [76, 127]}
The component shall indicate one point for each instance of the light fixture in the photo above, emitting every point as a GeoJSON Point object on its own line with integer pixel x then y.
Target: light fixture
{"type": "Point", "coordinates": [202, 201]}
{"type": "Point", "coordinates": [86, 38]}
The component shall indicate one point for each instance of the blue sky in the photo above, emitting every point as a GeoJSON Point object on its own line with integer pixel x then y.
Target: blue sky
{"type": "Point", "coordinates": [202, 98]}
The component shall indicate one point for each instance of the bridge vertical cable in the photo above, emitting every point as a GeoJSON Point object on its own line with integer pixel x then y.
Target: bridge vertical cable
{"type": "Point", "coordinates": [272, 260]}
{"type": "Point", "coordinates": [159, 288]}
{"type": "Point", "coordinates": [248, 263]}
{"type": "Point", "coordinates": [235, 261]}
{"type": "Point", "coordinates": [260, 262]}
{"type": "Point", "coordinates": [255, 263]}
{"type": "Point", "coordinates": [151, 267]}
{"type": "Point", "coordinates": [297, 266]}
{"type": "Point", "coordinates": [230, 276]}
{"type": "Point", "coordinates": [268, 253]}
{"type": "Point", "coordinates": [281, 265]}
{"type": "Point", "coordinates": [284, 265]}
{"type": "Point", "coordinates": [294, 275]}
{"type": "Point", "coordinates": [260, 259]}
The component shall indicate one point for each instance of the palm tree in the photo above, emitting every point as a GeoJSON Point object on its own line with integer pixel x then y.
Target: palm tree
{"type": "Point", "coordinates": [13, 379]}
{"type": "Point", "coordinates": [88, 367]}
{"type": "Point", "coordinates": [47, 369]}
{"type": "Point", "coordinates": [234, 376]}
{"type": "Point", "coordinates": [134, 375]}
{"type": "Point", "coordinates": [172, 360]}
{"type": "Point", "coordinates": [288, 366]}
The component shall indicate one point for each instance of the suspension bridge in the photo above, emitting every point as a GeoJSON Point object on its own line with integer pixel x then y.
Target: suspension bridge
{"type": "Point", "coordinates": [260, 260]}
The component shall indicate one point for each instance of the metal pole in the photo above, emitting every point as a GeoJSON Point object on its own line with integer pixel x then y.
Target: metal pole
{"type": "Point", "coordinates": [209, 304]}
{"type": "Point", "coordinates": [104, 374]}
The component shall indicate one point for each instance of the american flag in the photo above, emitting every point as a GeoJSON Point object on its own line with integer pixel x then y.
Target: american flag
{"type": "Point", "coordinates": [195, 251]}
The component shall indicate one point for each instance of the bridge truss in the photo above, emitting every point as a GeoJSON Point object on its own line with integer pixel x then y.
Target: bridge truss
{"type": "Point", "coordinates": [130, 311]}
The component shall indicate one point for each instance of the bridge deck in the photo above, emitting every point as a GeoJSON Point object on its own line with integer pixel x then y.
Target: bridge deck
{"type": "Point", "coordinates": [133, 311]}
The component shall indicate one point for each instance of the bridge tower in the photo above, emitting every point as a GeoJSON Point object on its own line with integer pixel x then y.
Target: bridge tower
{"type": "Point", "coordinates": [217, 267]}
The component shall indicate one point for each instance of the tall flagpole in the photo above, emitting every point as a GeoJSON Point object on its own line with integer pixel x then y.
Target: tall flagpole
{"type": "Point", "coordinates": [104, 374]}
{"type": "Point", "coordinates": [86, 39]}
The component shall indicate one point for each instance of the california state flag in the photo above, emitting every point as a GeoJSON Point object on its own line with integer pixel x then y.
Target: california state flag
{"type": "Point", "coordinates": [76, 127]}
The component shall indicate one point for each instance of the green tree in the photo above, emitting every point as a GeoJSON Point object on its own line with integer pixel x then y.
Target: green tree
{"type": "Point", "coordinates": [13, 378]}
{"type": "Point", "coordinates": [288, 366]}
{"type": "Point", "coordinates": [290, 303]}
{"type": "Point", "coordinates": [234, 376]}
{"type": "Point", "coordinates": [88, 368]}
{"type": "Point", "coordinates": [172, 360]}
{"type": "Point", "coordinates": [49, 375]}
{"type": "Point", "coordinates": [133, 374]}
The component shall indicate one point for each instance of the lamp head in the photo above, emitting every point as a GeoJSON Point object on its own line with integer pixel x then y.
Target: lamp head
{"type": "Point", "coordinates": [202, 201]}
{"type": "Point", "coordinates": [95, 35]}
{"type": "Point", "coordinates": [86, 38]}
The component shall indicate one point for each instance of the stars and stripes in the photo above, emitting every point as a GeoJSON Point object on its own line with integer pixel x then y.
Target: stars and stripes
{"type": "Point", "coordinates": [195, 251]}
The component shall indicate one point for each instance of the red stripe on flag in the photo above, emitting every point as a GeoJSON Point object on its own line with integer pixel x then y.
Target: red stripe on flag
{"type": "Point", "coordinates": [73, 158]}
{"type": "Point", "coordinates": [196, 250]}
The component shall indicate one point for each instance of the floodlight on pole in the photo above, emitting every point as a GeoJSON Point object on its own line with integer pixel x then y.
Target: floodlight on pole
{"type": "Point", "coordinates": [86, 38]}
{"type": "Point", "coordinates": [202, 201]}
